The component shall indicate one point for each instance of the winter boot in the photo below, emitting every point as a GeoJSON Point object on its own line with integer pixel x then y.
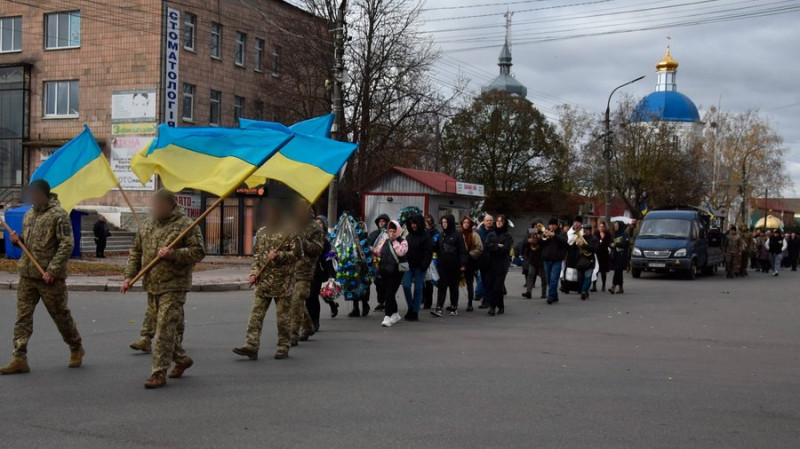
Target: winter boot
{"type": "Point", "coordinates": [179, 368]}
{"type": "Point", "coordinates": [17, 366]}
{"type": "Point", "coordinates": [156, 380]}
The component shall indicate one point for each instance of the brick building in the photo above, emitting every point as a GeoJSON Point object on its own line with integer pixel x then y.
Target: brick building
{"type": "Point", "coordinates": [124, 67]}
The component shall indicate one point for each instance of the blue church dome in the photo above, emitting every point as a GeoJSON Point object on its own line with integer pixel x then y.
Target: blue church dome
{"type": "Point", "coordinates": [669, 106]}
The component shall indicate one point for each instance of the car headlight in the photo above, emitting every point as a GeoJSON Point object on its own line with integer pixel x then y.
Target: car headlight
{"type": "Point", "coordinates": [680, 253]}
{"type": "Point", "coordinates": [637, 251]}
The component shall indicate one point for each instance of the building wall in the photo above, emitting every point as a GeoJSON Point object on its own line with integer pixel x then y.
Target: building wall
{"type": "Point", "coordinates": [121, 49]}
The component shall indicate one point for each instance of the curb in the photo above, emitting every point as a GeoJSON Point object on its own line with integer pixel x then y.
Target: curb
{"type": "Point", "coordinates": [113, 287]}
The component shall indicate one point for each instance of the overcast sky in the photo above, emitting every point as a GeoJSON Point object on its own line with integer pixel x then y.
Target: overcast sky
{"type": "Point", "coordinates": [747, 63]}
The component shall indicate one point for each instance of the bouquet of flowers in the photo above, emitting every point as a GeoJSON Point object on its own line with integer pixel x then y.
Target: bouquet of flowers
{"type": "Point", "coordinates": [330, 290]}
{"type": "Point", "coordinates": [349, 241]}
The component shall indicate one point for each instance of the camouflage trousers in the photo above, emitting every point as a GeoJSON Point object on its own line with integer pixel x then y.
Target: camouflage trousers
{"type": "Point", "coordinates": [54, 297]}
{"type": "Point", "coordinates": [300, 315]}
{"type": "Point", "coordinates": [732, 262]}
{"type": "Point", "coordinates": [261, 304]}
{"type": "Point", "coordinates": [149, 323]}
{"type": "Point", "coordinates": [167, 342]}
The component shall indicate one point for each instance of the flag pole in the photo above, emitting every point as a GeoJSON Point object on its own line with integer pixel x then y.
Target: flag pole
{"type": "Point", "coordinates": [24, 249]}
{"type": "Point", "coordinates": [181, 236]}
{"type": "Point", "coordinates": [130, 205]}
{"type": "Point", "coordinates": [202, 216]}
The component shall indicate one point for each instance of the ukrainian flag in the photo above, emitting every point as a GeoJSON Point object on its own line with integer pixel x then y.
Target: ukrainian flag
{"type": "Point", "coordinates": [644, 209]}
{"type": "Point", "coordinates": [215, 160]}
{"type": "Point", "coordinates": [77, 171]}
{"type": "Point", "coordinates": [309, 162]}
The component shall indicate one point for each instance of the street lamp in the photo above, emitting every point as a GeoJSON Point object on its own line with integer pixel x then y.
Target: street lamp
{"type": "Point", "coordinates": [607, 153]}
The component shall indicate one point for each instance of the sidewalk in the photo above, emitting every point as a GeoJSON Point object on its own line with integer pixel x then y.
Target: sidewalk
{"type": "Point", "coordinates": [232, 277]}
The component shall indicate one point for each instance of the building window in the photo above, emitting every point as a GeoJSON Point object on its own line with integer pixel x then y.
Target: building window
{"type": "Point", "coordinates": [189, 25]}
{"type": "Point", "coordinates": [10, 34]}
{"type": "Point", "coordinates": [61, 99]}
{"type": "Point", "coordinates": [241, 44]}
{"type": "Point", "coordinates": [188, 102]}
{"type": "Point", "coordinates": [276, 61]}
{"type": "Point", "coordinates": [259, 55]}
{"type": "Point", "coordinates": [62, 30]}
{"type": "Point", "coordinates": [258, 110]}
{"type": "Point", "coordinates": [216, 40]}
{"type": "Point", "coordinates": [216, 106]}
{"type": "Point", "coordinates": [238, 109]}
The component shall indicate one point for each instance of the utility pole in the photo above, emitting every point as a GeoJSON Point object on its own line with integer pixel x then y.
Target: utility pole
{"type": "Point", "coordinates": [337, 130]}
{"type": "Point", "coordinates": [744, 189]}
{"type": "Point", "coordinates": [608, 153]}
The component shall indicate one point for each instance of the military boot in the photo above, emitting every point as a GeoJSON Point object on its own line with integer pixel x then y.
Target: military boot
{"type": "Point", "coordinates": [17, 366]}
{"type": "Point", "coordinates": [156, 380]}
{"type": "Point", "coordinates": [283, 353]}
{"type": "Point", "coordinates": [142, 344]}
{"type": "Point", "coordinates": [76, 357]}
{"type": "Point", "coordinates": [244, 351]}
{"type": "Point", "coordinates": [179, 368]}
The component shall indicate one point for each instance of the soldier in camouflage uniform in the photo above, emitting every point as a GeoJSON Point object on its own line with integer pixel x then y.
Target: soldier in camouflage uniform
{"type": "Point", "coordinates": [279, 255]}
{"type": "Point", "coordinates": [312, 241]}
{"type": "Point", "coordinates": [733, 252]}
{"type": "Point", "coordinates": [47, 232]}
{"type": "Point", "coordinates": [747, 249]}
{"type": "Point", "coordinates": [167, 282]}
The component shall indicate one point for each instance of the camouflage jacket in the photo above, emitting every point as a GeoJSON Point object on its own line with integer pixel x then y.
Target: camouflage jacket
{"type": "Point", "coordinates": [277, 279]}
{"type": "Point", "coordinates": [168, 275]}
{"type": "Point", "coordinates": [47, 232]}
{"type": "Point", "coordinates": [312, 240]}
{"type": "Point", "coordinates": [733, 244]}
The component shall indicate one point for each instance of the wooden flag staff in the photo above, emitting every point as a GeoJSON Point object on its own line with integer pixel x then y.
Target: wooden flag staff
{"type": "Point", "coordinates": [130, 205]}
{"type": "Point", "coordinates": [24, 249]}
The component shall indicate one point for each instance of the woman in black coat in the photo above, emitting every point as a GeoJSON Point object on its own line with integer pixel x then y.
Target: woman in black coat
{"type": "Point", "coordinates": [619, 260]}
{"type": "Point", "coordinates": [499, 244]}
{"type": "Point", "coordinates": [604, 241]}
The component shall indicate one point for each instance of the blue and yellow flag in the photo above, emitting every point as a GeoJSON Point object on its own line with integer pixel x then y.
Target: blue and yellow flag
{"type": "Point", "coordinates": [77, 171]}
{"type": "Point", "coordinates": [215, 160]}
{"type": "Point", "coordinates": [644, 209]}
{"type": "Point", "coordinates": [309, 162]}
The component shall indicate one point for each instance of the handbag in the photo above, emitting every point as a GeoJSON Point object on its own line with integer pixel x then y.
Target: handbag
{"type": "Point", "coordinates": [571, 275]}
{"type": "Point", "coordinates": [401, 266]}
{"type": "Point", "coordinates": [432, 274]}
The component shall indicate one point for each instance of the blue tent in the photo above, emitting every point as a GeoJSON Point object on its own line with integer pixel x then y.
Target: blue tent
{"type": "Point", "coordinates": [14, 219]}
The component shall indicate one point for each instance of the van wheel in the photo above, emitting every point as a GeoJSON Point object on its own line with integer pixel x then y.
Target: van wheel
{"type": "Point", "coordinates": [636, 273]}
{"type": "Point", "coordinates": [692, 273]}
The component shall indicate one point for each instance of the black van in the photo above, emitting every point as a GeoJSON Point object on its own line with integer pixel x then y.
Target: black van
{"type": "Point", "coordinates": [682, 240]}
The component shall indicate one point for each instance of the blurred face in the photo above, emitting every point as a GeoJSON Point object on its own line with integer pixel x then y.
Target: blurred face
{"type": "Point", "coordinates": [616, 226]}
{"type": "Point", "coordinates": [382, 223]}
{"type": "Point", "coordinates": [161, 208]}
{"type": "Point", "coordinates": [554, 227]}
{"type": "Point", "coordinates": [414, 226]}
{"type": "Point", "coordinates": [577, 225]}
{"type": "Point", "coordinates": [391, 232]}
{"type": "Point", "coordinates": [37, 197]}
{"type": "Point", "coordinates": [444, 223]}
{"type": "Point", "coordinates": [602, 226]}
{"type": "Point", "coordinates": [429, 222]}
{"type": "Point", "coordinates": [488, 221]}
{"type": "Point", "coordinates": [466, 224]}
{"type": "Point", "coordinates": [321, 224]}
{"type": "Point", "coordinates": [501, 222]}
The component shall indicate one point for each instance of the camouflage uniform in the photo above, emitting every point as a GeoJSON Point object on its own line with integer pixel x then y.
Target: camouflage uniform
{"type": "Point", "coordinates": [733, 254]}
{"type": "Point", "coordinates": [167, 282]}
{"type": "Point", "coordinates": [275, 284]}
{"type": "Point", "coordinates": [747, 249]}
{"type": "Point", "coordinates": [47, 232]}
{"type": "Point", "coordinates": [312, 241]}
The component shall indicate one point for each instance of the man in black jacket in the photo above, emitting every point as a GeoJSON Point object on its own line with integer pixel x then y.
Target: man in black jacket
{"type": "Point", "coordinates": [419, 255]}
{"type": "Point", "coordinates": [452, 253]}
{"type": "Point", "coordinates": [554, 251]}
{"type": "Point", "coordinates": [381, 222]}
{"type": "Point", "coordinates": [101, 235]}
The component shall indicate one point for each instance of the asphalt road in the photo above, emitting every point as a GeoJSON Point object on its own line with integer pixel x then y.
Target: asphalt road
{"type": "Point", "coordinates": [671, 364]}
